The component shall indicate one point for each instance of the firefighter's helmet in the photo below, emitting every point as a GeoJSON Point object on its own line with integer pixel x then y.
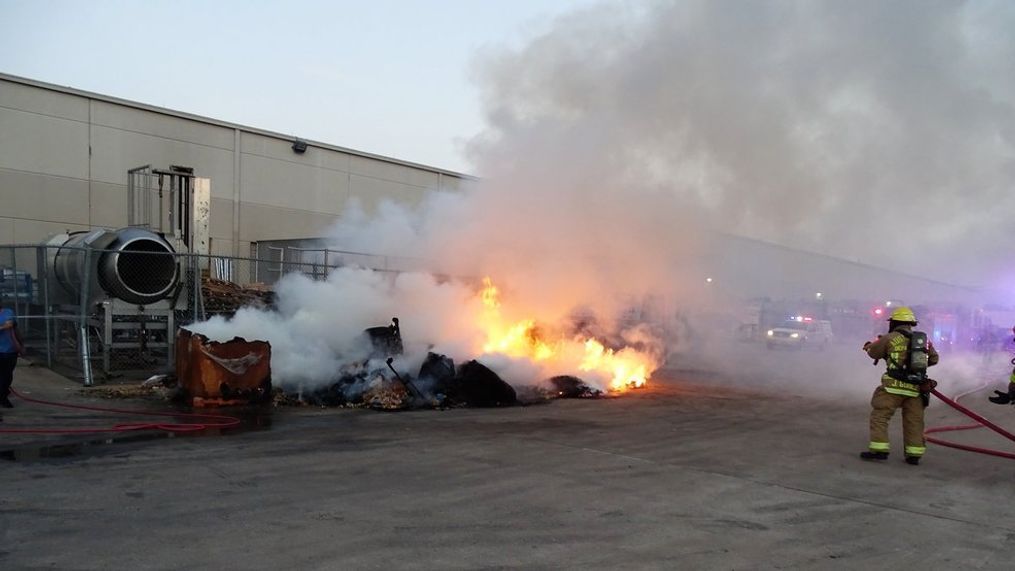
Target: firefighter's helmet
{"type": "Point", "coordinates": [903, 314]}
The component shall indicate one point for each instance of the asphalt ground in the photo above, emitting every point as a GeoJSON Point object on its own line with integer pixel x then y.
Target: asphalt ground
{"type": "Point", "coordinates": [708, 468]}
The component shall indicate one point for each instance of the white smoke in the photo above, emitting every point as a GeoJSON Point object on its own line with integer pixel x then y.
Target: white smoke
{"type": "Point", "coordinates": [622, 133]}
{"type": "Point", "coordinates": [319, 325]}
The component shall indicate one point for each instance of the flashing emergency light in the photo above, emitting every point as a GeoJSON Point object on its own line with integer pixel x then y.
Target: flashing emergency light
{"type": "Point", "coordinates": [878, 311]}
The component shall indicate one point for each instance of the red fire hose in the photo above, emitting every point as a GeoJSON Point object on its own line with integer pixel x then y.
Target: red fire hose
{"type": "Point", "coordinates": [980, 423]}
{"type": "Point", "coordinates": [217, 420]}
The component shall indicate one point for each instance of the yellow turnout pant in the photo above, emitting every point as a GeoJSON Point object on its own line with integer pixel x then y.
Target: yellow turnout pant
{"type": "Point", "coordinates": [883, 405]}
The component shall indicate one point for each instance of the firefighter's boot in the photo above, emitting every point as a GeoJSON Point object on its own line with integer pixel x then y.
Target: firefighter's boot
{"type": "Point", "coordinates": [1001, 398]}
{"type": "Point", "coordinates": [871, 455]}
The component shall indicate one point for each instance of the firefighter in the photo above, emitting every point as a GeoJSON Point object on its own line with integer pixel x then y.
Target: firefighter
{"type": "Point", "coordinates": [903, 385]}
{"type": "Point", "coordinates": [1006, 397]}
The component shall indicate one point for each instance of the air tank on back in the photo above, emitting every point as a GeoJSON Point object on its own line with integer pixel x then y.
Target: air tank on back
{"type": "Point", "coordinates": [132, 264]}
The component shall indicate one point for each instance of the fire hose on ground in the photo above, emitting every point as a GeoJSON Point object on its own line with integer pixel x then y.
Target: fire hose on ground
{"type": "Point", "coordinates": [222, 421]}
{"type": "Point", "coordinates": [208, 420]}
{"type": "Point", "coordinates": [980, 423]}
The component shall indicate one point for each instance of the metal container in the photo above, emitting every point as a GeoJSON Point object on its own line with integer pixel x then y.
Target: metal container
{"type": "Point", "coordinates": [213, 373]}
{"type": "Point", "coordinates": [132, 264]}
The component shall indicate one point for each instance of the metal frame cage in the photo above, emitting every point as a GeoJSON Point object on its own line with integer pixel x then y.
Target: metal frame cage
{"type": "Point", "coordinates": [75, 321]}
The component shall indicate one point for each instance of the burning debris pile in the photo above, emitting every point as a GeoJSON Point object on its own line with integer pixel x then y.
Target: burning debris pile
{"type": "Point", "coordinates": [624, 368]}
{"type": "Point", "coordinates": [438, 384]}
{"type": "Point", "coordinates": [569, 387]}
{"type": "Point", "coordinates": [470, 351]}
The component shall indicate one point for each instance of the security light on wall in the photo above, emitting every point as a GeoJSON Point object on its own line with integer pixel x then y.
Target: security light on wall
{"type": "Point", "coordinates": [299, 147]}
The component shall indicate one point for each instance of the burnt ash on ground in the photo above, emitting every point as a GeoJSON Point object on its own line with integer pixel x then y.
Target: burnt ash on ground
{"type": "Point", "coordinates": [438, 384]}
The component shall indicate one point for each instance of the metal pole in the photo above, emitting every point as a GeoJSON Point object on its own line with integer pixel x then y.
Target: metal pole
{"type": "Point", "coordinates": [43, 272]}
{"type": "Point", "coordinates": [130, 197]}
{"type": "Point", "coordinates": [14, 270]}
{"type": "Point", "coordinates": [86, 360]}
{"type": "Point", "coordinates": [170, 338]}
{"type": "Point", "coordinates": [107, 335]}
{"type": "Point", "coordinates": [196, 269]}
{"type": "Point", "coordinates": [161, 201]}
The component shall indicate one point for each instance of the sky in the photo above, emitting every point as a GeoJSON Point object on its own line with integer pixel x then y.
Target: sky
{"type": "Point", "coordinates": [390, 77]}
{"type": "Point", "coordinates": [879, 132]}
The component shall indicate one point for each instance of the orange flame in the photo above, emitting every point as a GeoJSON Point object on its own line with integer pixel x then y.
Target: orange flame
{"type": "Point", "coordinates": [490, 294]}
{"type": "Point", "coordinates": [626, 368]}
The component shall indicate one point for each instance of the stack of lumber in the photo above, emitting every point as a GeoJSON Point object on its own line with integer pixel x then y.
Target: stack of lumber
{"type": "Point", "coordinates": [222, 297]}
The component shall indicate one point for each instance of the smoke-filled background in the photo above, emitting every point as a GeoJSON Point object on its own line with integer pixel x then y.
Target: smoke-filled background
{"type": "Point", "coordinates": [836, 126]}
{"type": "Point", "coordinates": [622, 136]}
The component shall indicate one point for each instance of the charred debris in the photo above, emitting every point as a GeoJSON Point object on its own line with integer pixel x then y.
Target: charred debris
{"type": "Point", "coordinates": [211, 373]}
{"type": "Point", "coordinates": [375, 383]}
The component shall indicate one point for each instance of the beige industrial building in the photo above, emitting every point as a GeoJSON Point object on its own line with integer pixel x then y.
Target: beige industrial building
{"type": "Point", "coordinates": [65, 153]}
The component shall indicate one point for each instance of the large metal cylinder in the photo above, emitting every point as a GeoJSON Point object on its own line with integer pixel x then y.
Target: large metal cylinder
{"type": "Point", "coordinates": [132, 264]}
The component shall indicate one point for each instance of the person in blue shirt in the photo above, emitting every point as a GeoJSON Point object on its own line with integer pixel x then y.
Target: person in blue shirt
{"type": "Point", "coordinates": [10, 347]}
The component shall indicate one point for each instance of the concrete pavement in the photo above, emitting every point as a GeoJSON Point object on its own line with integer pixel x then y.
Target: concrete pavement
{"type": "Point", "coordinates": [695, 472]}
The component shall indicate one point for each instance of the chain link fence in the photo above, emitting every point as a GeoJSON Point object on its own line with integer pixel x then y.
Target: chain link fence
{"type": "Point", "coordinates": [279, 259]}
{"type": "Point", "coordinates": [98, 314]}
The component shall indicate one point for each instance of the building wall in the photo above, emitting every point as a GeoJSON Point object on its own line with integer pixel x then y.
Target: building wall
{"type": "Point", "coordinates": [752, 268]}
{"type": "Point", "coordinates": [64, 156]}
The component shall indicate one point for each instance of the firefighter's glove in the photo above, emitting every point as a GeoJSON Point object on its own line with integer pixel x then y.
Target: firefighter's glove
{"type": "Point", "coordinates": [928, 385]}
{"type": "Point", "coordinates": [864, 349]}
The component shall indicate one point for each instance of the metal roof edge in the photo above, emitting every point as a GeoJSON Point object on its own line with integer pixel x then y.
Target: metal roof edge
{"type": "Point", "coordinates": [968, 288]}
{"type": "Point", "coordinates": [217, 122]}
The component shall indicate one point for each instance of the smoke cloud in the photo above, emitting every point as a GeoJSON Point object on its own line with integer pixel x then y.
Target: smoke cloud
{"type": "Point", "coordinates": [877, 131]}
{"type": "Point", "coordinates": [621, 137]}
